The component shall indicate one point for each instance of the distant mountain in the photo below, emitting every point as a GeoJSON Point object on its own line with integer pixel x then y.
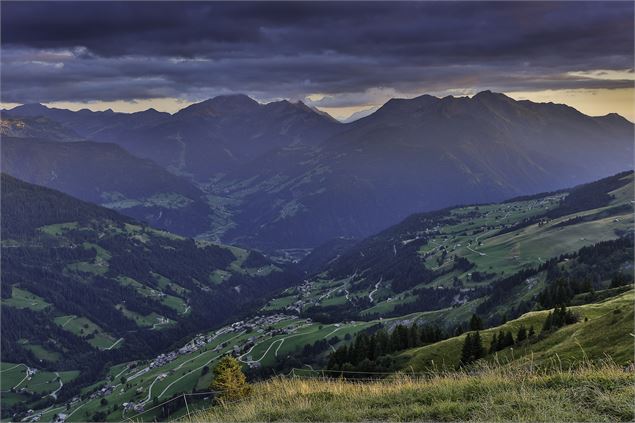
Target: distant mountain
{"type": "Point", "coordinates": [106, 174]}
{"type": "Point", "coordinates": [89, 124]}
{"type": "Point", "coordinates": [282, 175]}
{"type": "Point", "coordinates": [421, 154]}
{"type": "Point", "coordinates": [37, 127]}
{"type": "Point", "coordinates": [201, 140]}
{"type": "Point", "coordinates": [361, 114]}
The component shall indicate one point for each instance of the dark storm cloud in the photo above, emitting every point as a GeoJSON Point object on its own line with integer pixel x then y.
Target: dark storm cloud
{"type": "Point", "coordinates": [109, 51]}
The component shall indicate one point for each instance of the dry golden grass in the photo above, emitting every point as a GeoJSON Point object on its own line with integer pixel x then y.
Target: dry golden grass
{"type": "Point", "coordinates": [591, 392]}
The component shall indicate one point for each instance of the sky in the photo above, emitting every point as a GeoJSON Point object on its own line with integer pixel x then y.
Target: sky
{"type": "Point", "coordinates": [342, 57]}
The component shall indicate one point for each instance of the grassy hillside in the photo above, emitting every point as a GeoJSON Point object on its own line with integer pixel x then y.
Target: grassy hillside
{"type": "Point", "coordinates": [452, 257]}
{"type": "Point", "coordinates": [575, 373]}
{"type": "Point", "coordinates": [608, 330]}
{"type": "Point", "coordinates": [591, 393]}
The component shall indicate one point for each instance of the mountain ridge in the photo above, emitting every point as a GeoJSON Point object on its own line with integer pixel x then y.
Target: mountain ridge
{"type": "Point", "coordinates": [279, 168]}
{"type": "Point", "coordinates": [31, 108]}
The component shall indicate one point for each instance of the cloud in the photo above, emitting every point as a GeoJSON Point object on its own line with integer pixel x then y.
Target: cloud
{"type": "Point", "coordinates": [351, 53]}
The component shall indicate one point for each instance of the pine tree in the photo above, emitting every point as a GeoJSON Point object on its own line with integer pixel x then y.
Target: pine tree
{"type": "Point", "coordinates": [509, 339]}
{"type": "Point", "coordinates": [477, 346]}
{"type": "Point", "coordinates": [500, 344]}
{"type": "Point", "coordinates": [466, 351]}
{"type": "Point", "coordinates": [472, 348]}
{"type": "Point", "coordinates": [458, 330]}
{"type": "Point", "coordinates": [476, 323]}
{"type": "Point", "coordinates": [547, 325]}
{"type": "Point", "coordinates": [413, 336]}
{"type": "Point", "coordinates": [494, 345]}
{"type": "Point", "coordinates": [522, 334]}
{"type": "Point", "coordinates": [229, 381]}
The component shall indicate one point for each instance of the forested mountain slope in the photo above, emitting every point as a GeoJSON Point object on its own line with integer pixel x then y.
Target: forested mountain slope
{"type": "Point", "coordinates": [106, 174]}
{"type": "Point", "coordinates": [494, 257]}
{"type": "Point", "coordinates": [84, 286]}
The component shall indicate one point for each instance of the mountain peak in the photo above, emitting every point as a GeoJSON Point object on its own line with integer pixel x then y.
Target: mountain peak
{"type": "Point", "coordinates": [221, 105]}
{"type": "Point", "coordinates": [286, 106]}
{"type": "Point", "coordinates": [405, 105]}
{"type": "Point", "coordinates": [488, 94]}
{"type": "Point", "coordinates": [232, 100]}
{"type": "Point", "coordinates": [29, 109]}
{"type": "Point", "coordinates": [614, 118]}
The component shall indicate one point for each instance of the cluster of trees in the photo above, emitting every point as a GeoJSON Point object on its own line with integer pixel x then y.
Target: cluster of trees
{"type": "Point", "coordinates": [369, 351]}
{"type": "Point", "coordinates": [562, 290]}
{"type": "Point", "coordinates": [462, 264]}
{"type": "Point", "coordinates": [583, 197]}
{"type": "Point", "coordinates": [384, 255]}
{"type": "Point", "coordinates": [472, 348]}
{"type": "Point", "coordinates": [589, 196]}
{"type": "Point", "coordinates": [586, 270]}
{"type": "Point", "coordinates": [426, 299]}
{"type": "Point", "coordinates": [473, 344]}
{"type": "Point", "coordinates": [558, 318]}
{"type": "Point", "coordinates": [502, 340]}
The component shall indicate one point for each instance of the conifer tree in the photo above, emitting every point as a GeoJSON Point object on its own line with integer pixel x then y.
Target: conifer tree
{"type": "Point", "coordinates": [466, 351]}
{"type": "Point", "coordinates": [522, 334]}
{"type": "Point", "coordinates": [229, 381]}
{"type": "Point", "coordinates": [476, 323]}
{"type": "Point", "coordinates": [509, 339]}
{"type": "Point", "coordinates": [500, 344]}
{"type": "Point", "coordinates": [494, 344]}
{"type": "Point", "coordinates": [472, 348]}
{"type": "Point", "coordinates": [477, 346]}
{"type": "Point", "coordinates": [546, 326]}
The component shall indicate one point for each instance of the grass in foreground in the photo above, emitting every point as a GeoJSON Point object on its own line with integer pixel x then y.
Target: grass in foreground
{"type": "Point", "coordinates": [600, 392]}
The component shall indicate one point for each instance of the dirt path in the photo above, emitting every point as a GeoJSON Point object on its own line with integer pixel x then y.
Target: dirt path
{"type": "Point", "coordinates": [69, 320]}
{"type": "Point", "coordinates": [54, 393]}
{"type": "Point", "coordinates": [370, 295]}
{"type": "Point", "coordinates": [115, 343]}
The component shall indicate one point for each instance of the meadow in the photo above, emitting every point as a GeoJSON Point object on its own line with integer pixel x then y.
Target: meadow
{"type": "Point", "coordinates": [592, 392]}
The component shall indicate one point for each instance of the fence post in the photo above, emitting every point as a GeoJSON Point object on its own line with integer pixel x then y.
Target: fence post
{"type": "Point", "coordinates": [187, 407]}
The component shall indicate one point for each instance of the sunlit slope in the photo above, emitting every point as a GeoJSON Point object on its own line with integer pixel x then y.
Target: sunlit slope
{"type": "Point", "coordinates": [608, 332]}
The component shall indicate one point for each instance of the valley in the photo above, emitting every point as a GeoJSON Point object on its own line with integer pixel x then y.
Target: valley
{"type": "Point", "coordinates": [437, 268]}
{"type": "Point", "coordinates": [317, 211]}
{"type": "Point", "coordinates": [282, 177]}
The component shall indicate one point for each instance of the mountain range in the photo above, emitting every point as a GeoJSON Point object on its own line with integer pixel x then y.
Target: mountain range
{"type": "Point", "coordinates": [283, 175]}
